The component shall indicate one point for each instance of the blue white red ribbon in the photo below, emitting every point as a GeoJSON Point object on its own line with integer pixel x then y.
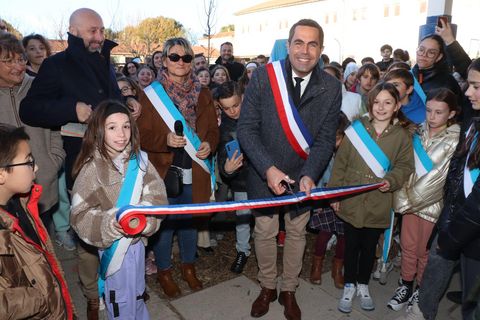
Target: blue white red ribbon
{"type": "Point", "coordinates": [368, 149]}
{"type": "Point", "coordinates": [423, 163]}
{"type": "Point", "coordinates": [292, 124]}
{"type": "Point", "coordinates": [133, 218]}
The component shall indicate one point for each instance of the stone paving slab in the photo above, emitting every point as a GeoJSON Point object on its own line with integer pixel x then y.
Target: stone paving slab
{"type": "Point", "coordinates": [232, 300]}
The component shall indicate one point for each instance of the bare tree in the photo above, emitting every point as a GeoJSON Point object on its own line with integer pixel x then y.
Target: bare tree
{"type": "Point", "coordinates": [210, 8]}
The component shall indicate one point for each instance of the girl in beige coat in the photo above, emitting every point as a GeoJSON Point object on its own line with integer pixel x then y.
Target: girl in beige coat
{"type": "Point", "coordinates": [420, 200]}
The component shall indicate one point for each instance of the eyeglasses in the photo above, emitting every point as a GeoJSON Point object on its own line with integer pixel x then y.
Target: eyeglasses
{"type": "Point", "coordinates": [431, 53]}
{"type": "Point", "coordinates": [126, 89]}
{"type": "Point", "coordinates": [10, 62]}
{"type": "Point", "coordinates": [175, 57]}
{"type": "Point", "coordinates": [30, 163]}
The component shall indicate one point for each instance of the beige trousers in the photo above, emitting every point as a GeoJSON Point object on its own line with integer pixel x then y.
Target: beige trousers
{"type": "Point", "coordinates": [266, 229]}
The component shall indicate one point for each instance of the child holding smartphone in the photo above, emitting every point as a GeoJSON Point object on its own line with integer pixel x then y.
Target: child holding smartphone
{"type": "Point", "coordinates": [234, 169]}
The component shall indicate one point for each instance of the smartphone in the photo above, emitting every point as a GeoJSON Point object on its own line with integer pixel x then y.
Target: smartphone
{"type": "Point", "coordinates": [231, 147]}
{"type": "Point", "coordinates": [440, 19]}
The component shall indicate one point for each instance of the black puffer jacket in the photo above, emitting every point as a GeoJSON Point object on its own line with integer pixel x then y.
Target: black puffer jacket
{"type": "Point", "coordinates": [459, 223]}
{"type": "Point", "coordinates": [238, 179]}
{"type": "Point", "coordinates": [439, 76]}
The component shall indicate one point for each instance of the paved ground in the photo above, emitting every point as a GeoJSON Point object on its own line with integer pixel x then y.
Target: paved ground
{"type": "Point", "coordinates": [232, 300]}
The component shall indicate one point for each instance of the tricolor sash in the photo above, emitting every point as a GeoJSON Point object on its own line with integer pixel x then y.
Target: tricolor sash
{"type": "Point", "coordinates": [368, 149]}
{"type": "Point", "coordinates": [470, 176]}
{"type": "Point", "coordinates": [169, 113]}
{"type": "Point", "coordinates": [138, 213]}
{"type": "Point", "coordinates": [112, 257]}
{"type": "Point", "coordinates": [292, 124]}
{"type": "Point", "coordinates": [423, 163]}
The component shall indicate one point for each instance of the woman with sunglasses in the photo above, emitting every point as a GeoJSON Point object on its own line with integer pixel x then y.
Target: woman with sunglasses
{"type": "Point", "coordinates": [165, 148]}
{"type": "Point", "coordinates": [432, 70]}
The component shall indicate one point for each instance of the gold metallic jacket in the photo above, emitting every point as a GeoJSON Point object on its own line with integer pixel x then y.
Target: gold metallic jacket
{"type": "Point", "coordinates": [423, 196]}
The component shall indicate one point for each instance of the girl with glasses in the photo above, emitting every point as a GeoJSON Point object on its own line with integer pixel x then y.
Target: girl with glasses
{"type": "Point", "coordinates": [432, 70]}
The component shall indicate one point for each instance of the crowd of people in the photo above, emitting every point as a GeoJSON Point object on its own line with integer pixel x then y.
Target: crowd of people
{"type": "Point", "coordinates": [79, 141]}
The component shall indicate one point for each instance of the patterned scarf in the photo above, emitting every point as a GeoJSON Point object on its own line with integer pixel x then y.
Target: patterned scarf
{"type": "Point", "coordinates": [184, 96]}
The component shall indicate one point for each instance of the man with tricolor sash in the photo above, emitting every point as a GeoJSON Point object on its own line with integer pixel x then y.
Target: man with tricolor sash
{"type": "Point", "coordinates": [287, 129]}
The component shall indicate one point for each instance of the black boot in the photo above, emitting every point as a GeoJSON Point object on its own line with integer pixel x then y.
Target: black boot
{"type": "Point", "coordinates": [239, 263]}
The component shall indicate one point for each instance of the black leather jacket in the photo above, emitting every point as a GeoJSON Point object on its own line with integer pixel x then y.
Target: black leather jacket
{"type": "Point", "coordinates": [459, 223]}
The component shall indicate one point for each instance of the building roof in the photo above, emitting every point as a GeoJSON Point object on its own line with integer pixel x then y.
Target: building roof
{"type": "Point", "coordinates": [224, 34]}
{"type": "Point", "coordinates": [273, 4]}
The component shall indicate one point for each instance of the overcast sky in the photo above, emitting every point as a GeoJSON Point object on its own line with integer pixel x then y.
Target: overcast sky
{"type": "Point", "coordinates": [45, 16]}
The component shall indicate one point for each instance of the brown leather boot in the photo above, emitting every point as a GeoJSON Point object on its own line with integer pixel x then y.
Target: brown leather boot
{"type": "Point", "coordinates": [261, 305]}
{"type": "Point", "coordinates": [92, 309]}
{"type": "Point", "coordinates": [169, 286]}
{"type": "Point", "coordinates": [188, 274]}
{"type": "Point", "coordinates": [337, 275]}
{"type": "Point", "coordinates": [316, 271]}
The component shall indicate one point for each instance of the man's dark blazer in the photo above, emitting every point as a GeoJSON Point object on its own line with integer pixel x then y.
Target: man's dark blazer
{"type": "Point", "coordinates": [262, 137]}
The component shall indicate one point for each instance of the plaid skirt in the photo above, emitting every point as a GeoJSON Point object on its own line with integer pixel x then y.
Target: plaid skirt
{"type": "Point", "coordinates": [325, 219]}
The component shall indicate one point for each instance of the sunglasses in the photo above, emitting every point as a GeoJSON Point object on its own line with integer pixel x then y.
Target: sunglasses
{"type": "Point", "coordinates": [175, 57]}
{"type": "Point", "coordinates": [30, 163]}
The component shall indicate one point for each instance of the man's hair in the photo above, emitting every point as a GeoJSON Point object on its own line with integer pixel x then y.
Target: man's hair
{"type": "Point", "coordinates": [199, 55]}
{"type": "Point", "coordinates": [226, 43]}
{"type": "Point", "coordinates": [261, 56]}
{"type": "Point", "coordinates": [386, 46]}
{"type": "Point", "coordinates": [39, 37]}
{"type": "Point", "coordinates": [10, 138]}
{"type": "Point", "coordinates": [370, 67]}
{"type": "Point", "coordinates": [402, 74]}
{"type": "Point", "coordinates": [307, 23]}
{"type": "Point", "coordinates": [226, 90]}
{"type": "Point", "coordinates": [9, 45]}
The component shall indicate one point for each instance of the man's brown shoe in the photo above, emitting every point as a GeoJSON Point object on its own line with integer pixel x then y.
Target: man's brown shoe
{"type": "Point", "coordinates": [261, 305]}
{"type": "Point", "coordinates": [288, 301]}
{"type": "Point", "coordinates": [92, 309]}
{"type": "Point", "coordinates": [169, 286]}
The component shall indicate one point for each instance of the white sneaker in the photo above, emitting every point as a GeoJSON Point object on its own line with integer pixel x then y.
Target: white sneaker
{"type": "Point", "coordinates": [345, 303]}
{"type": "Point", "coordinates": [366, 301]}
{"type": "Point", "coordinates": [414, 313]}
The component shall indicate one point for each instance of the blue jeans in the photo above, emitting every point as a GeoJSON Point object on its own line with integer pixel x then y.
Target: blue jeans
{"type": "Point", "coordinates": [436, 278]}
{"type": "Point", "coordinates": [242, 225]}
{"type": "Point", "coordinates": [187, 234]}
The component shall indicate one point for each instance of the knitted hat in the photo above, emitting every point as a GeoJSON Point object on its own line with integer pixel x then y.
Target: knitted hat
{"type": "Point", "coordinates": [349, 69]}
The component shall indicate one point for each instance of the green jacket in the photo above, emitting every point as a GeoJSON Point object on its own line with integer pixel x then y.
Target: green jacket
{"type": "Point", "coordinates": [372, 209]}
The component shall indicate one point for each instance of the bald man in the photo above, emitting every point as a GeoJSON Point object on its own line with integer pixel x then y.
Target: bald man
{"type": "Point", "coordinates": [69, 85]}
